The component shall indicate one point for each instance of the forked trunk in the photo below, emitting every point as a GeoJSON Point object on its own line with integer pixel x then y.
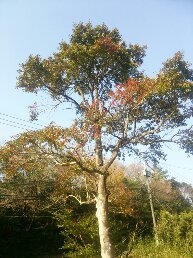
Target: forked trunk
{"type": "Point", "coordinates": [102, 216]}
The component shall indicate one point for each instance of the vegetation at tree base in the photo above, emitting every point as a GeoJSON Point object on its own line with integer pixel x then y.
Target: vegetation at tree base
{"type": "Point", "coordinates": [146, 248]}
{"type": "Point", "coordinates": [40, 213]}
{"type": "Point", "coordinates": [70, 172]}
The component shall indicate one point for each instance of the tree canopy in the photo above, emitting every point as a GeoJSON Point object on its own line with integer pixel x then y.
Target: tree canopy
{"type": "Point", "coordinates": [113, 97]}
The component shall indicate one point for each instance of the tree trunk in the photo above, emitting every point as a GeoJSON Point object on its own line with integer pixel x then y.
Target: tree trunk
{"type": "Point", "coordinates": [102, 216]}
{"type": "Point", "coordinates": [107, 250]}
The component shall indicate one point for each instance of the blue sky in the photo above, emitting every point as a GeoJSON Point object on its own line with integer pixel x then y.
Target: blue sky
{"type": "Point", "coordinates": [37, 26]}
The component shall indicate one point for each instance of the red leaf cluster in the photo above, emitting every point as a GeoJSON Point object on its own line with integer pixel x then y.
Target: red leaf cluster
{"type": "Point", "coordinates": [133, 92]}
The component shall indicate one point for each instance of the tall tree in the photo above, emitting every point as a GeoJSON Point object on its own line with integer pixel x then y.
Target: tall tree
{"type": "Point", "coordinates": [119, 109]}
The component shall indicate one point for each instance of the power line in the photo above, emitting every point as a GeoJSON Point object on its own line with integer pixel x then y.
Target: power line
{"type": "Point", "coordinates": [34, 216]}
{"type": "Point", "coordinates": [13, 125]}
{"type": "Point", "coordinates": [17, 118]}
{"type": "Point", "coordinates": [174, 166]}
{"type": "Point", "coordinates": [17, 123]}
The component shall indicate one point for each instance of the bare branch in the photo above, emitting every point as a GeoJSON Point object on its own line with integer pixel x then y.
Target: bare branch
{"type": "Point", "coordinates": [80, 201]}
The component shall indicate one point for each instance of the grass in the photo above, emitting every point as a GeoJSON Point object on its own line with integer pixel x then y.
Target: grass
{"type": "Point", "coordinates": [148, 249]}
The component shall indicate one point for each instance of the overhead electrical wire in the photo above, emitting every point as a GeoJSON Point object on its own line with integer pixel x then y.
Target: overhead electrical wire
{"type": "Point", "coordinates": [174, 166]}
{"type": "Point", "coordinates": [17, 118]}
{"type": "Point", "coordinates": [12, 123]}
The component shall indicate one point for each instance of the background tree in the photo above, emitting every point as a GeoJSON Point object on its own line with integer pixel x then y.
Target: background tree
{"type": "Point", "coordinates": [118, 108]}
{"type": "Point", "coordinates": [37, 193]}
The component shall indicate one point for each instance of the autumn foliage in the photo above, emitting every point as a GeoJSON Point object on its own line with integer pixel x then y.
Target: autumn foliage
{"type": "Point", "coordinates": [120, 111]}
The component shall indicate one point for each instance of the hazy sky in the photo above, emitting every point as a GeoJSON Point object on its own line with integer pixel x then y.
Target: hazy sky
{"type": "Point", "coordinates": [37, 26]}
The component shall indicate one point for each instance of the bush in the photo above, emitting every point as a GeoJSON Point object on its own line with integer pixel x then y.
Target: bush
{"type": "Point", "coordinates": [176, 229]}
